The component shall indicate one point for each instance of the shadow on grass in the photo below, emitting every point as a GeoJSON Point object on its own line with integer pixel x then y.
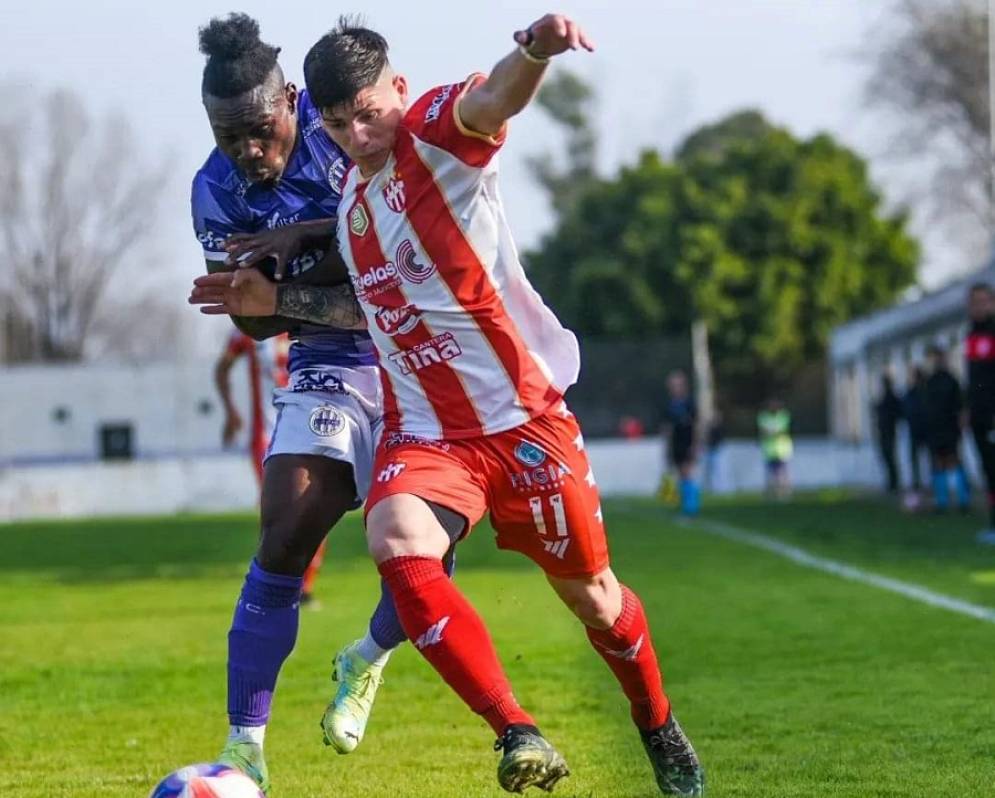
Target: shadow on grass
{"type": "Point", "coordinates": [183, 546]}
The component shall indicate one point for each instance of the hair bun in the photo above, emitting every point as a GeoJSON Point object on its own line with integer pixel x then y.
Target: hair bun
{"type": "Point", "coordinates": [229, 38]}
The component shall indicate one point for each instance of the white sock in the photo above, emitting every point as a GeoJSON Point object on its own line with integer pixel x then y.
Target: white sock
{"type": "Point", "coordinates": [253, 734]}
{"type": "Point", "coordinates": [369, 650]}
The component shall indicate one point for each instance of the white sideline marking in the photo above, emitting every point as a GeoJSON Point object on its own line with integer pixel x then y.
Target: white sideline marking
{"type": "Point", "coordinates": [844, 571]}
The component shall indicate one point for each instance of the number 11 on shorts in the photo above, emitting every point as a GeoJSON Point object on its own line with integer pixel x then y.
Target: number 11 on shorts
{"type": "Point", "coordinates": [559, 515]}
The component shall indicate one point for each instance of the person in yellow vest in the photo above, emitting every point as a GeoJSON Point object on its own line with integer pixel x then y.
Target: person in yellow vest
{"type": "Point", "coordinates": [774, 424]}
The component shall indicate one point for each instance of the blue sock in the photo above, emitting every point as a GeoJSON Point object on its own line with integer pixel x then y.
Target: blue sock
{"type": "Point", "coordinates": [263, 633]}
{"type": "Point", "coordinates": [940, 494]}
{"type": "Point", "coordinates": [962, 488]}
{"type": "Point", "coordinates": [690, 497]}
{"type": "Point", "coordinates": [385, 626]}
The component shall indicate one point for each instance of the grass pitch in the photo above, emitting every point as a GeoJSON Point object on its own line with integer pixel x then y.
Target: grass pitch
{"type": "Point", "coordinates": [790, 682]}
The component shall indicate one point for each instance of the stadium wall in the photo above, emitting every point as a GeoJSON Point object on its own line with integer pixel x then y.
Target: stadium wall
{"type": "Point", "coordinates": [224, 481]}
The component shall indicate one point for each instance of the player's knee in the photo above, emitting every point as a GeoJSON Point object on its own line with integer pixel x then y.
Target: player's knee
{"type": "Point", "coordinates": [282, 550]}
{"type": "Point", "coordinates": [404, 526]}
{"type": "Point", "coordinates": [596, 601]}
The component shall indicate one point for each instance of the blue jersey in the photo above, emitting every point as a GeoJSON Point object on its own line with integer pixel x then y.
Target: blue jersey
{"type": "Point", "coordinates": [223, 202]}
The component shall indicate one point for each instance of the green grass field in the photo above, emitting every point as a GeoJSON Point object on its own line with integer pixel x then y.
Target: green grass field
{"type": "Point", "coordinates": [790, 682]}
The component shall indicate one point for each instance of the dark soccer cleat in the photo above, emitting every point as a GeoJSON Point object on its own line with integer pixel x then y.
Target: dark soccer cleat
{"type": "Point", "coordinates": [675, 764]}
{"type": "Point", "coordinates": [529, 760]}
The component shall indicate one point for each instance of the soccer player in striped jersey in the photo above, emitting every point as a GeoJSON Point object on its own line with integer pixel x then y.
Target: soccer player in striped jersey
{"type": "Point", "coordinates": [474, 367]}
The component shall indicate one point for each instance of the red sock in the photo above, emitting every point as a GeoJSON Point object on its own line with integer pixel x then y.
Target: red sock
{"type": "Point", "coordinates": [447, 631]}
{"type": "Point", "coordinates": [628, 650]}
{"type": "Point", "coordinates": [311, 572]}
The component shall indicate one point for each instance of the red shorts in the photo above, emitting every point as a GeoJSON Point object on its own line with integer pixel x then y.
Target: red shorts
{"type": "Point", "coordinates": [535, 480]}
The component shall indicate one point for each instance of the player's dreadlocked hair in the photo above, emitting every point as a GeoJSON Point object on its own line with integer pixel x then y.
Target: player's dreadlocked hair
{"type": "Point", "coordinates": [237, 60]}
{"type": "Point", "coordinates": [346, 60]}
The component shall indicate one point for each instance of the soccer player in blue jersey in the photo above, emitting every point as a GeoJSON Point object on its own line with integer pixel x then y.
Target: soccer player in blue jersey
{"type": "Point", "coordinates": [266, 197]}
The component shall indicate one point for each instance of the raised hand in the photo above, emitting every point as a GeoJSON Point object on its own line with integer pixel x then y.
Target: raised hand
{"type": "Point", "coordinates": [552, 35]}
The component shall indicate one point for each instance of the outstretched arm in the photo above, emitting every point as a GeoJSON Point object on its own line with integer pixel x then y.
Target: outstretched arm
{"type": "Point", "coordinates": [516, 77]}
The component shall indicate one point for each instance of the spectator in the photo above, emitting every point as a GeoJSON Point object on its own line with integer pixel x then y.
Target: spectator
{"type": "Point", "coordinates": [944, 404]}
{"type": "Point", "coordinates": [774, 424]}
{"type": "Point", "coordinates": [679, 430]}
{"type": "Point", "coordinates": [887, 412]}
{"type": "Point", "coordinates": [914, 412]}
{"type": "Point", "coordinates": [980, 352]}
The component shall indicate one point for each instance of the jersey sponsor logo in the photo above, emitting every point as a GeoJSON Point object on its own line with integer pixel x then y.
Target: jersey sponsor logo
{"type": "Point", "coordinates": [408, 265]}
{"type": "Point", "coordinates": [391, 470]}
{"type": "Point", "coordinates": [432, 635]}
{"type": "Point", "coordinates": [212, 241]}
{"type": "Point", "coordinates": [395, 439]}
{"type": "Point", "coordinates": [544, 477]}
{"type": "Point", "coordinates": [397, 321]}
{"type": "Point", "coordinates": [435, 350]}
{"type": "Point", "coordinates": [336, 174]}
{"type": "Point", "coordinates": [437, 102]}
{"type": "Point", "coordinates": [315, 379]}
{"type": "Point", "coordinates": [359, 222]}
{"type": "Point", "coordinates": [393, 194]}
{"type": "Point", "coordinates": [529, 454]}
{"type": "Point", "coordinates": [275, 220]}
{"type": "Point", "coordinates": [376, 281]}
{"type": "Point", "coordinates": [326, 421]}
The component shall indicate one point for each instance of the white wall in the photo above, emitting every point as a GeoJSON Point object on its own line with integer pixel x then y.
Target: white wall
{"type": "Point", "coordinates": [226, 482]}
{"type": "Point", "coordinates": [162, 401]}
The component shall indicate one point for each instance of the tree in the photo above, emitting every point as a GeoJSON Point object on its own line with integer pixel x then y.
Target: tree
{"type": "Point", "coordinates": [76, 206]}
{"type": "Point", "coordinates": [930, 65]}
{"type": "Point", "coordinates": [771, 240]}
{"type": "Point", "coordinates": [567, 99]}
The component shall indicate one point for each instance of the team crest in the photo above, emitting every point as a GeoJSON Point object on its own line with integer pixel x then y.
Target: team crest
{"type": "Point", "coordinates": [530, 454]}
{"type": "Point", "coordinates": [336, 174]}
{"type": "Point", "coordinates": [359, 222]}
{"type": "Point", "coordinates": [326, 421]}
{"type": "Point", "coordinates": [393, 194]}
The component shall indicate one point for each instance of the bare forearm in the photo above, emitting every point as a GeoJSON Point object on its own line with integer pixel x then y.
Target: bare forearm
{"type": "Point", "coordinates": [315, 233]}
{"type": "Point", "coordinates": [223, 384]}
{"type": "Point", "coordinates": [510, 87]}
{"type": "Point", "coordinates": [334, 306]}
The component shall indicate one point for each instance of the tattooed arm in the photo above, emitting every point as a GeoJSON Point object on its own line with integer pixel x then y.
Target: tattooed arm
{"type": "Point", "coordinates": [248, 292]}
{"type": "Point", "coordinates": [334, 306]}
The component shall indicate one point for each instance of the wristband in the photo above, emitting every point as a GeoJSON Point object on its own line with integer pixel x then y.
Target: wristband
{"type": "Point", "coordinates": [531, 57]}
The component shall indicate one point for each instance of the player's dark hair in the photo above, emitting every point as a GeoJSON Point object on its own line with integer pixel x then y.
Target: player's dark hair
{"type": "Point", "coordinates": [237, 59]}
{"type": "Point", "coordinates": [343, 62]}
{"type": "Point", "coordinates": [976, 287]}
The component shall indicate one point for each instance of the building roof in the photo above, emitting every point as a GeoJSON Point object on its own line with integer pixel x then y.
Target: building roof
{"type": "Point", "coordinates": [906, 318]}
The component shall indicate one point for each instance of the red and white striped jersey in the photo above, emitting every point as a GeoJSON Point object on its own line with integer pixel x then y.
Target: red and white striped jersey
{"type": "Point", "coordinates": [467, 347]}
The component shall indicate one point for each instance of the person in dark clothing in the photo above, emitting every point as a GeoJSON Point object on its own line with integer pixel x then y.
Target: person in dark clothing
{"type": "Point", "coordinates": [680, 422]}
{"type": "Point", "coordinates": [944, 404]}
{"type": "Point", "coordinates": [914, 412]}
{"type": "Point", "coordinates": [888, 411]}
{"type": "Point", "coordinates": [979, 350]}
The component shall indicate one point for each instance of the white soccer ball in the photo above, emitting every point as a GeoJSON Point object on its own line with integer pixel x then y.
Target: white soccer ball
{"type": "Point", "coordinates": [207, 781]}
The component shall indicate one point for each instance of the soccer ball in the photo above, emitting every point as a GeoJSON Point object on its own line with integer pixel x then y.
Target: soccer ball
{"type": "Point", "coordinates": [207, 781]}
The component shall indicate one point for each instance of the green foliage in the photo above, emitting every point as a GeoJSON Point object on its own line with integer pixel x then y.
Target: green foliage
{"type": "Point", "coordinates": [771, 239]}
